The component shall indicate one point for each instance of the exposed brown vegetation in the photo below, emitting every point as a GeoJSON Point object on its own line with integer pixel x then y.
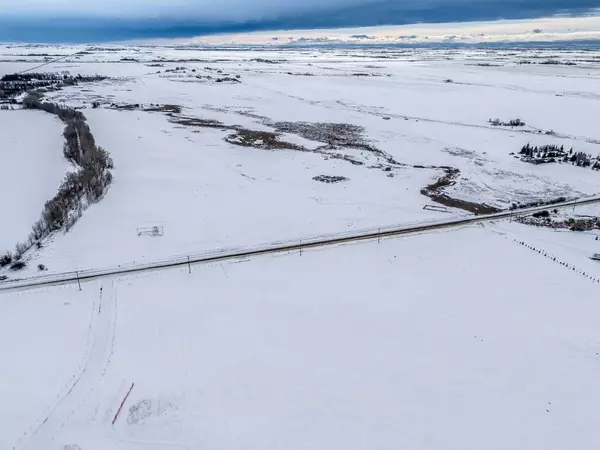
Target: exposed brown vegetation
{"type": "Point", "coordinates": [335, 137]}
{"type": "Point", "coordinates": [196, 122]}
{"type": "Point", "coordinates": [435, 191]}
{"type": "Point", "coordinates": [330, 179]}
{"type": "Point", "coordinates": [260, 139]}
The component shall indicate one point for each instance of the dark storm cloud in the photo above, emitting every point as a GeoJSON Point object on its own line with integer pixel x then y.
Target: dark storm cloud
{"type": "Point", "coordinates": [94, 20]}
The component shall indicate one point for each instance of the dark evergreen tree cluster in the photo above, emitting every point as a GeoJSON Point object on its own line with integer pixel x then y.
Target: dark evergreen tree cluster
{"type": "Point", "coordinates": [32, 76]}
{"type": "Point", "coordinates": [15, 84]}
{"type": "Point", "coordinates": [545, 151]}
{"type": "Point", "coordinates": [553, 153]}
{"type": "Point", "coordinates": [580, 159]}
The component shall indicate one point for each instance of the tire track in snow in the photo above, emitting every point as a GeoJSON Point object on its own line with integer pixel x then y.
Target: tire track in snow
{"type": "Point", "coordinates": [67, 387]}
{"type": "Point", "coordinates": [99, 355]}
{"type": "Point", "coordinates": [107, 358]}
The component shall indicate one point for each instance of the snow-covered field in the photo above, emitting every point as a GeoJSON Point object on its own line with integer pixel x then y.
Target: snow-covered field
{"type": "Point", "coordinates": [470, 338]}
{"type": "Point", "coordinates": [45, 342]}
{"type": "Point", "coordinates": [419, 111]}
{"type": "Point", "coordinates": [31, 168]}
{"type": "Point", "coordinates": [462, 339]}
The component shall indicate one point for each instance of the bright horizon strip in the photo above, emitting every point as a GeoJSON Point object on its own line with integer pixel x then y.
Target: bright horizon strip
{"type": "Point", "coordinates": [545, 29]}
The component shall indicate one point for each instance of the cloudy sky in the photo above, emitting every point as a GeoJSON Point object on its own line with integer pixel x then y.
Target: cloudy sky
{"type": "Point", "coordinates": [556, 29]}
{"type": "Point", "coordinates": [106, 20]}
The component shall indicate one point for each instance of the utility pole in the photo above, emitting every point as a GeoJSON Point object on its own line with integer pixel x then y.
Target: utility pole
{"type": "Point", "coordinates": [78, 282]}
{"type": "Point", "coordinates": [189, 265]}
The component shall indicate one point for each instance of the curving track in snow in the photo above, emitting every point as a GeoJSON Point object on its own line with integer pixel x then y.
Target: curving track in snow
{"type": "Point", "coordinates": [97, 357]}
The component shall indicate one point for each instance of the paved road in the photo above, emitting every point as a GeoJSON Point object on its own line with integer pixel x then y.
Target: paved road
{"type": "Point", "coordinates": [78, 277]}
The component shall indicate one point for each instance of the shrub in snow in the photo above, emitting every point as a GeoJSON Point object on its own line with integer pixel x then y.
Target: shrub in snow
{"type": "Point", "coordinates": [330, 178]}
{"type": "Point", "coordinates": [20, 249]}
{"type": "Point", "coordinates": [6, 259]}
{"type": "Point", "coordinates": [541, 214]}
{"type": "Point", "coordinates": [18, 265]}
{"type": "Point", "coordinates": [510, 123]}
{"type": "Point", "coordinates": [41, 267]}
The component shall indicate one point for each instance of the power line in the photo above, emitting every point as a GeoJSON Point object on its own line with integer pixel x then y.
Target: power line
{"type": "Point", "coordinates": [71, 277]}
{"type": "Point", "coordinates": [49, 62]}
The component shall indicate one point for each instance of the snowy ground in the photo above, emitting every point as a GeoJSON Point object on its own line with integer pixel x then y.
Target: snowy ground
{"type": "Point", "coordinates": [479, 337]}
{"type": "Point", "coordinates": [31, 169]}
{"type": "Point", "coordinates": [45, 342]}
{"type": "Point", "coordinates": [208, 193]}
{"type": "Point", "coordinates": [462, 339]}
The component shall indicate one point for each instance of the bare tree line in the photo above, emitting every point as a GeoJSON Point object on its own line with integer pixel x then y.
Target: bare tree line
{"type": "Point", "coordinates": [79, 189]}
